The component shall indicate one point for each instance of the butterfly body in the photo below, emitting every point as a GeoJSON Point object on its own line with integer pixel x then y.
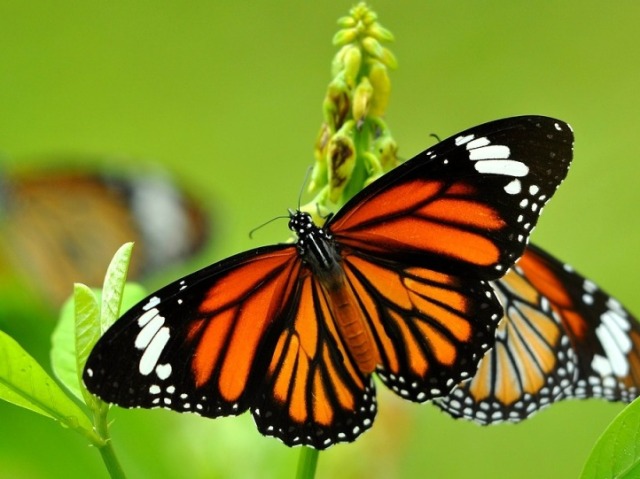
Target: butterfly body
{"type": "Point", "coordinates": [396, 283]}
{"type": "Point", "coordinates": [318, 251]}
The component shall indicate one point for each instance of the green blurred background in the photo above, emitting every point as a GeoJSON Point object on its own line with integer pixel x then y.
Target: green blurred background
{"type": "Point", "coordinates": [228, 96]}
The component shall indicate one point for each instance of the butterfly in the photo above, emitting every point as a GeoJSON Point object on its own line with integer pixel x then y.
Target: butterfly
{"type": "Point", "coordinates": [396, 283]}
{"type": "Point", "coordinates": [561, 337]}
{"type": "Point", "coordinates": [62, 225]}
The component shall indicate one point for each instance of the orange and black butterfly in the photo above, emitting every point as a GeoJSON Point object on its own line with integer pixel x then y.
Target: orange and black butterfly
{"type": "Point", "coordinates": [561, 337]}
{"type": "Point", "coordinates": [62, 225]}
{"type": "Point", "coordinates": [396, 283]}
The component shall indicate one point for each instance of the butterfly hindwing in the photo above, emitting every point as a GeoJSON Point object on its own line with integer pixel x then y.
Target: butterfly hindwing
{"type": "Point", "coordinates": [314, 393]}
{"type": "Point", "coordinates": [529, 366]}
{"type": "Point", "coordinates": [430, 328]}
{"type": "Point", "coordinates": [468, 204]}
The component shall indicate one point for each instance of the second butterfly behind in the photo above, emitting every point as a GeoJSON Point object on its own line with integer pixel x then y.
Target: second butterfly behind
{"type": "Point", "coordinates": [60, 225]}
{"type": "Point", "coordinates": [396, 283]}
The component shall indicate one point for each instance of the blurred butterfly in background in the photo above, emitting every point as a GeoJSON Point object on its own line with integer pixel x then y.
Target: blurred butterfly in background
{"type": "Point", "coordinates": [62, 225]}
{"type": "Point", "coordinates": [397, 283]}
{"type": "Point", "coordinates": [561, 337]}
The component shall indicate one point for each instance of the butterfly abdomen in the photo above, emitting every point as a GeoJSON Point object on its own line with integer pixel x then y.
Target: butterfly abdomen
{"type": "Point", "coordinates": [353, 328]}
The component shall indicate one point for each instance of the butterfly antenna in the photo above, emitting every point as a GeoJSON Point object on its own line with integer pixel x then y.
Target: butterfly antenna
{"type": "Point", "coordinates": [304, 183]}
{"type": "Point", "coordinates": [265, 224]}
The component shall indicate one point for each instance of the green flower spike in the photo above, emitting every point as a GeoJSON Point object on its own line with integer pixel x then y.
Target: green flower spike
{"type": "Point", "coordinates": [354, 145]}
{"type": "Point", "coordinates": [341, 153]}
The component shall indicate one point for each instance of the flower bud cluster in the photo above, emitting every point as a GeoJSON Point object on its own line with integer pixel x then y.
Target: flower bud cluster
{"type": "Point", "coordinates": [354, 145]}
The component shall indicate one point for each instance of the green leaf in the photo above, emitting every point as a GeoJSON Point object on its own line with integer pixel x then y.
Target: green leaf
{"type": "Point", "coordinates": [63, 349]}
{"type": "Point", "coordinates": [87, 332]}
{"type": "Point", "coordinates": [617, 451]}
{"type": "Point", "coordinates": [113, 287]}
{"type": "Point", "coordinates": [24, 383]}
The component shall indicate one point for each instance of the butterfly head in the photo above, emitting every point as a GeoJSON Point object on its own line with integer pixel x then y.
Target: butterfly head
{"type": "Point", "coordinates": [301, 223]}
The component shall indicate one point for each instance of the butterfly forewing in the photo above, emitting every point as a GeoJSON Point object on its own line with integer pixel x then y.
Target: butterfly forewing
{"type": "Point", "coordinates": [466, 205]}
{"type": "Point", "coordinates": [225, 356]}
{"type": "Point", "coordinates": [201, 344]}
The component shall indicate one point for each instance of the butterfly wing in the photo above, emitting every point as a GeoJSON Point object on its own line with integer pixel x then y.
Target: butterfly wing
{"type": "Point", "coordinates": [430, 328]}
{"type": "Point", "coordinates": [604, 335]}
{"type": "Point", "coordinates": [561, 337]}
{"type": "Point", "coordinates": [253, 331]}
{"type": "Point", "coordinates": [530, 365]}
{"type": "Point", "coordinates": [194, 344]}
{"type": "Point", "coordinates": [420, 243]}
{"type": "Point", "coordinates": [314, 394]}
{"type": "Point", "coordinates": [465, 206]}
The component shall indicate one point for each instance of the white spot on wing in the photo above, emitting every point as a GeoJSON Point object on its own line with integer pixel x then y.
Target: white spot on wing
{"type": "Point", "coordinates": [502, 167]}
{"type": "Point", "coordinates": [146, 317]}
{"type": "Point", "coordinates": [159, 207]}
{"type": "Point", "coordinates": [601, 365]}
{"type": "Point", "coordinates": [615, 344]}
{"type": "Point", "coordinates": [513, 187]}
{"type": "Point", "coordinates": [490, 152]}
{"type": "Point", "coordinates": [152, 353]}
{"type": "Point", "coordinates": [612, 317]}
{"type": "Point", "coordinates": [153, 302]}
{"type": "Point", "coordinates": [150, 329]}
{"type": "Point", "coordinates": [461, 140]}
{"type": "Point", "coordinates": [615, 305]}
{"type": "Point", "coordinates": [478, 143]}
{"type": "Point", "coordinates": [163, 371]}
{"type": "Point", "coordinates": [589, 286]}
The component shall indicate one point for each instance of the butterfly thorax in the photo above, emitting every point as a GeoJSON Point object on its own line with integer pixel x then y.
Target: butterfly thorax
{"type": "Point", "coordinates": [316, 247]}
{"type": "Point", "coordinates": [318, 251]}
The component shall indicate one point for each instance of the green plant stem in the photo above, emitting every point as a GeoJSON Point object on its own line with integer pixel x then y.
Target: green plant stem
{"type": "Point", "coordinates": [307, 463]}
{"type": "Point", "coordinates": [106, 449]}
{"type": "Point", "coordinates": [362, 140]}
{"type": "Point", "coordinates": [111, 461]}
